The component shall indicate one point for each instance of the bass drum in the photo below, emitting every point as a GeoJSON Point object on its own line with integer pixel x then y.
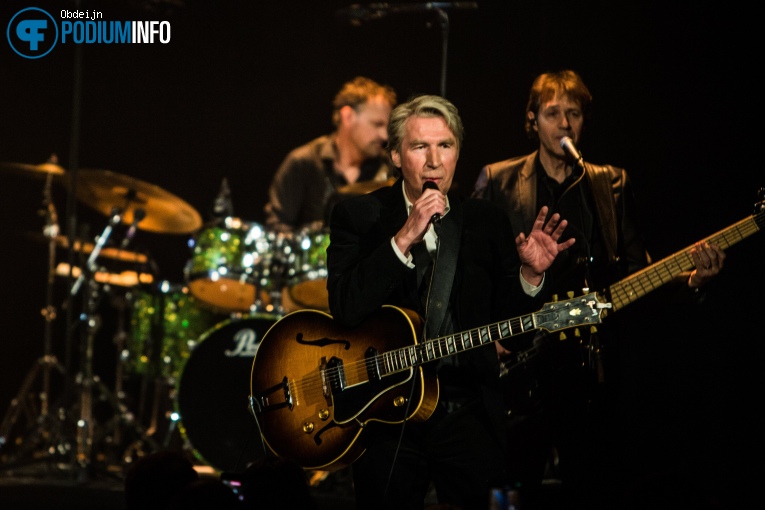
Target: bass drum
{"type": "Point", "coordinates": [212, 397]}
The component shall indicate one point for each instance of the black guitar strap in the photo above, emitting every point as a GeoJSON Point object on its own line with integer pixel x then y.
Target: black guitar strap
{"type": "Point", "coordinates": [444, 270]}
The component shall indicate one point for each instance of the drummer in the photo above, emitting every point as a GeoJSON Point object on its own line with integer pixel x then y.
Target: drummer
{"type": "Point", "coordinates": [311, 178]}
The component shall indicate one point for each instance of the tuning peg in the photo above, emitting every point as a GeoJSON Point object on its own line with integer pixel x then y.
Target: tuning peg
{"type": "Point", "coordinates": [593, 329]}
{"type": "Point", "coordinates": [562, 336]}
{"type": "Point", "coordinates": [554, 298]}
{"type": "Point", "coordinates": [570, 294]}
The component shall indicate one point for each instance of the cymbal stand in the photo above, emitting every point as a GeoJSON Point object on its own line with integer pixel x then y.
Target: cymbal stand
{"type": "Point", "coordinates": [87, 380]}
{"type": "Point", "coordinates": [124, 418]}
{"type": "Point", "coordinates": [47, 429]}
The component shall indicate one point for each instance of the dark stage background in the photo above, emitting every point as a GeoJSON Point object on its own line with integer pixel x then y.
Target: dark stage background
{"type": "Point", "coordinates": [241, 83]}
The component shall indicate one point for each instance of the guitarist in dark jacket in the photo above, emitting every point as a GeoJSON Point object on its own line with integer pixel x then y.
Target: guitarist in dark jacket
{"type": "Point", "coordinates": [600, 206]}
{"type": "Point", "coordinates": [418, 246]}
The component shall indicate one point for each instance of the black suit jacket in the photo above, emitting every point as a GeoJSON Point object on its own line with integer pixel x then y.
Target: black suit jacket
{"type": "Point", "coordinates": [365, 273]}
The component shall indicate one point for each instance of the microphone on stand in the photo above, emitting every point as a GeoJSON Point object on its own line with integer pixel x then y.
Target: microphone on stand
{"type": "Point", "coordinates": [567, 144]}
{"type": "Point", "coordinates": [138, 215]}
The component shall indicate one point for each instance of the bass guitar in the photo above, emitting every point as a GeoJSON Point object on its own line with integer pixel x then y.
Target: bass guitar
{"type": "Point", "coordinates": [315, 384]}
{"type": "Point", "coordinates": [640, 283]}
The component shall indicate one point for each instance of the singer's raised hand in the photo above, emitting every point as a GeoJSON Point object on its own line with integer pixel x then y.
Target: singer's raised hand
{"type": "Point", "coordinates": [538, 250]}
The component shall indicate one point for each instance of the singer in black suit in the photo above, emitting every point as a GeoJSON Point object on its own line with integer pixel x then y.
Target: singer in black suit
{"type": "Point", "coordinates": [417, 245]}
{"type": "Point", "coordinates": [564, 379]}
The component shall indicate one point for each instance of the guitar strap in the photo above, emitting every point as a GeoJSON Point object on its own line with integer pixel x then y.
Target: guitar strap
{"type": "Point", "coordinates": [445, 269]}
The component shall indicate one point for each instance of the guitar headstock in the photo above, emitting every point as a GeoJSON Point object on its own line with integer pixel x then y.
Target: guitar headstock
{"type": "Point", "coordinates": [578, 311]}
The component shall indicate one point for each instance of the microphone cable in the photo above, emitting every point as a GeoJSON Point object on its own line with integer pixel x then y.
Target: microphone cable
{"type": "Point", "coordinates": [425, 333]}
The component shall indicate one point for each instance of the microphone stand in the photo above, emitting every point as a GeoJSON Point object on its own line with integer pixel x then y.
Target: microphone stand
{"type": "Point", "coordinates": [444, 21]}
{"type": "Point", "coordinates": [359, 13]}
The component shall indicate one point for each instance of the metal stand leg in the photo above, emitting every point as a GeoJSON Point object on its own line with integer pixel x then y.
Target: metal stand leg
{"type": "Point", "coordinates": [44, 439]}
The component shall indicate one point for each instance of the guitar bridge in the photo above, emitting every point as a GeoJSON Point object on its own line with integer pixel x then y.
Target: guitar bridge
{"type": "Point", "coordinates": [261, 403]}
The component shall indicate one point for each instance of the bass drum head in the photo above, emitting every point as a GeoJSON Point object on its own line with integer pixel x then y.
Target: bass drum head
{"type": "Point", "coordinates": [213, 394]}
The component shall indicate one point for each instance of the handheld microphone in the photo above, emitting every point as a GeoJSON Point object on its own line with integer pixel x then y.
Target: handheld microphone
{"type": "Point", "coordinates": [138, 215]}
{"type": "Point", "coordinates": [436, 218]}
{"type": "Point", "coordinates": [567, 144]}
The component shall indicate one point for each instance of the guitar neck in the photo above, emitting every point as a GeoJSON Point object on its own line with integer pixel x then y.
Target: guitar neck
{"type": "Point", "coordinates": [552, 317]}
{"type": "Point", "coordinates": [654, 276]}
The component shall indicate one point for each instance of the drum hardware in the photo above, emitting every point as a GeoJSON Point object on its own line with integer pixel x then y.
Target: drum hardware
{"type": "Point", "coordinates": [49, 436]}
{"type": "Point", "coordinates": [104, 190]}
{"type": "Point", "coordinates": [89, 384]}
{"type": "Point", "coordinates": [167, 323]}
{"type": "Point", "coordinates": [48, 427]}
{"type": "Point", "coordinates": [86, 247]}
{"type": "Point", "coordinates": [122, 279]}
{"type": "Point", "coordinates": [90, 264]}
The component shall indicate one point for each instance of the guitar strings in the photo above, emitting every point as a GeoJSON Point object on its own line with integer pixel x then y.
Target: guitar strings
{"type": "Point", "coordinates": [398, 360]}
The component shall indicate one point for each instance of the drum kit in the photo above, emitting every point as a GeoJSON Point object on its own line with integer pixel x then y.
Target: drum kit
{"type": "Point", "coordinates": [189, 345]}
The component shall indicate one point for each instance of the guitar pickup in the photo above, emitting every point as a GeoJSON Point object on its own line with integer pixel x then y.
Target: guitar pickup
{"type": "Point", "coordinates": [333, 379]}
{"type": "Point", "coordinates": [374, 370]}
{"type": "Point", "coordinates": [261, 403]}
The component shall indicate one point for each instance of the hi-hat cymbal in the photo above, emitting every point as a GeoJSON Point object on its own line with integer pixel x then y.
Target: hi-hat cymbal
{"type": "Point", "coordinates": [363, 187]}
{"type": "Point", "coordinates": [41, 170]}
{"type": "Point", "coordinates": [166, 213]}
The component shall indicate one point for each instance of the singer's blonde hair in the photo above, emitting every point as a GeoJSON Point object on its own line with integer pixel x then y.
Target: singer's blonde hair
{"type": "Point", "coordinates": [423, 106]}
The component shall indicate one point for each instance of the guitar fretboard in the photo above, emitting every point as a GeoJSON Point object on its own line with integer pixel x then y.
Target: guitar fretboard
{"type": "Point", "coordinates": [437, 348]}
{"type": "Point", "coordinates": [553, 317]}
{"type": "Point", "coordinates": [654, 276]}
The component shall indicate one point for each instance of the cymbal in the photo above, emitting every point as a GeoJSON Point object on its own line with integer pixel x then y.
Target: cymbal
{"type": "Point", "coordinates": [363, 187]}
{"type": "Point", "coordinates": [166, 213]}
{"type": "Point", "coordinates": [41, 170]}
